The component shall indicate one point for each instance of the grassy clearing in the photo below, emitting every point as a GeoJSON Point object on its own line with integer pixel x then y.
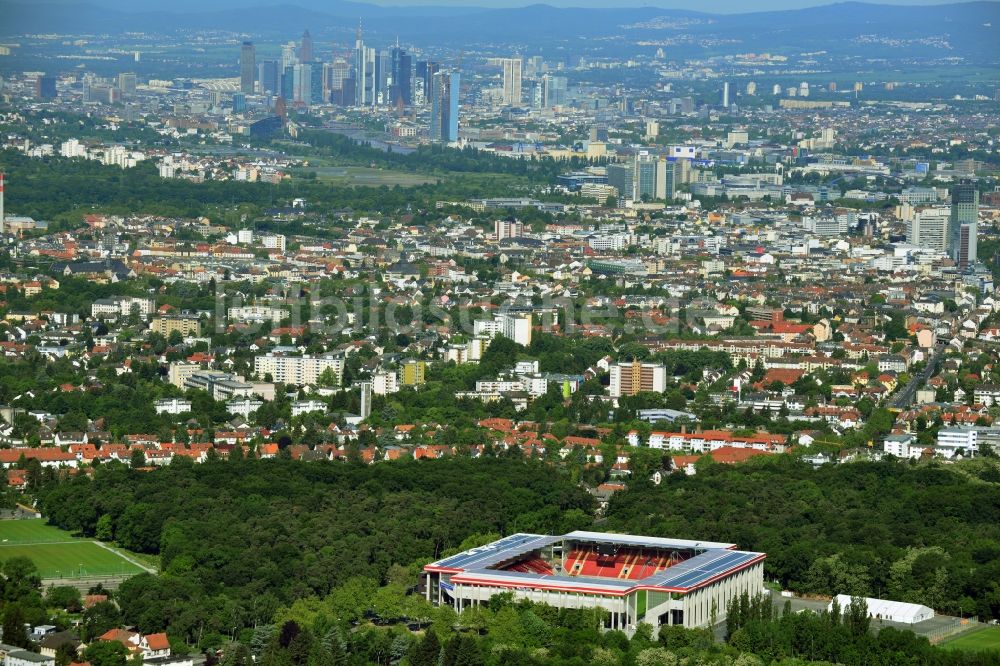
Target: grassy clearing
{"type": "Point", "coordinates": [58, 554]}
{"type": "Point", "coordinates": [980, 640]}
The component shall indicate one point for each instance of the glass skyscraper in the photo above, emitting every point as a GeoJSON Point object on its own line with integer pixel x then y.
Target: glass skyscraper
{"type": "Point", "coordinates": [964, 227]}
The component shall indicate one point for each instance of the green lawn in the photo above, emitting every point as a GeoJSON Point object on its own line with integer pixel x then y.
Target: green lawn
{"type": "Point", "coordinates": [14, 532]}
{"type": "Point", "coordinates": [980, 640]}
{"type": "Point", "coordinates": [57, 553]}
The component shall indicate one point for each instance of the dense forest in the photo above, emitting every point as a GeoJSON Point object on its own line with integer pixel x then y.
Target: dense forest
{"type": "Point", "coordinates": [317, 563]}
{"type": "Point", "coordinates": [238, 539]}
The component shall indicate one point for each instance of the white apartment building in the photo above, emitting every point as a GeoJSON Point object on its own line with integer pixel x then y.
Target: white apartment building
{"type": "Point", "coordinates": [122, 307]}
{"type": "Point", "coordinates": [514, 326]}
{"type": "Point", "coordinates": [297, 370]}
{"type": "Point", "coordinates": [957, 441]}
{"type": "Point", "coordinates": [172, 406]}
{"type": "Point", "coordinates": [385, 382]}
{"type": "Point", "coordinates": [244, 406]}
{"type": "Point", "coordinates": [220, 385]}
{"type": "Point", "coordinates": [608, 242]}
{"type": "Point", "coordinates": [273, 242]}
{"type": "Point", "coordinates": [929, 228]}
{"type": "Point", "coordinates": [827, 223]}
{"type": "Point", "coordinates": [507, 229]}
{"type": "Point", "coordinates": [300, 407]}
{"type": "Point", "coordinates": [902, 446]}
{"type": "Point", "coordinates": [257, 314]}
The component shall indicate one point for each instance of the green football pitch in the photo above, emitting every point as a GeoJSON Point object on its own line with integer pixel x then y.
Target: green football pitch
{"type": "Point", "coordinates": [57, 554]}
{"type": "Point", "coordinates": [981, 640]}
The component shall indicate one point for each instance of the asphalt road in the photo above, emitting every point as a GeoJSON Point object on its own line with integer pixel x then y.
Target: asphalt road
{"type": "Point", "coordinates": [904, 397]}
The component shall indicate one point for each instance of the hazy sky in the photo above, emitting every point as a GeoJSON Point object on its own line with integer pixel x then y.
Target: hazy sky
{"type": "Point", "coordinates": [727, 6]}
{"type": "Point", "coordinates": [330, 6]}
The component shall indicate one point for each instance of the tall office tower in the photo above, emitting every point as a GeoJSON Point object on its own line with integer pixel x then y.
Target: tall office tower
{"type": "Point", "coordinates": [248, 67]}
{"type": "Point", "coordinates": [964, 225]}
{"type": "Point", "coordinates": [88, 88]}
{"type": "Point", "coordinates": [511, 81]}
{"type": "Point", "coordinates": [554, 90]}
{"type": "Point", "coordinates": [929, 228]}
{"type": "Point", "coordinates": [535, 65]}
{"type": "Point", "coordinates": [127, 83]}
{"type": "Point", "coordinates": [239, 102]}
{"type": "Point", "coordinates": [288, 57]}
{"type": "Point", "coordinates": [724, 100]}
{"type": "Point", "coordinates": [644, 180]}
{"type": "Point", "coordinates": [425, 71]}
{"type": "Point", "coordinates": [349, 93]}
{"type": "Point", "coordinates": [45, 87]}
{"type": "Point", "coordinates": [302, 83]}
{"type": "Point", "coordinates": [334, 74]}
{"type": "Point", "coordinates": [445, 89]}
{"type": "Point", "coordinates": [450, 120]}
{"type": "Point", "coordinates": [316, 92]}
{"type": "Point", "coordinates": [804, 89]}
{"type": "Point", "coordinates": [364, 73]}
{"type": "Point", "coordinates": [383, 77]}
{"type": "Point", "coordinates": [269, 77]}
{"type": "Point", "coordinates": [401, 86]}
{"type": "Point", "coordinates": [667, 178]}
{"type": "Point", "coordinates": [437, 93]}
{"type": "Point", "coordinates": [620, 177]}
{"type": "Point", "coordinates": [751, 89]}
{"type": "Point", "coordinates": [306, 48]}
{"type": "Point", "coordinates": [360, 67]}
{"type": "Point", "coordinates": [287, 88]}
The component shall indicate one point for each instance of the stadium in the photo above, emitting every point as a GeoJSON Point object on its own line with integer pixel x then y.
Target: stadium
{"type": "Point", "coordinates": [635, 578]}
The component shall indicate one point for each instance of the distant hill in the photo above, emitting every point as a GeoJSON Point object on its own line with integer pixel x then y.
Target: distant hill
{"type": "Point", "coordinates": [970, 29]}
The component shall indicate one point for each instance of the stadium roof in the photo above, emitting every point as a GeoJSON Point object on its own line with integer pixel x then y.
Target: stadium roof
{"type": "Point", "coordinates": [712, 560]}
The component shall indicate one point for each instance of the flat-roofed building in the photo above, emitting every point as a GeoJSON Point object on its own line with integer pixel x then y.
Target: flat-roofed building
{"type": "Point", "coordinates": [184, 324]}
{"type": "Point", "coordinates": [636, 377]}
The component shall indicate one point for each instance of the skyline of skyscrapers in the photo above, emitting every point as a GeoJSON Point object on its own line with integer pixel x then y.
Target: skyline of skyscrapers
{"type": "Point", "coordinates": [371, 77]}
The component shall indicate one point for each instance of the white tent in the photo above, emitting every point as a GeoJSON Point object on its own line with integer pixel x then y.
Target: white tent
{"type": "Point", "coordinates": [892, 611]}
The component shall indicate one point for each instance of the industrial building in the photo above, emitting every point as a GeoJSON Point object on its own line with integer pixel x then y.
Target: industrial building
{"type": "Point", "coordinates": [637, 579]}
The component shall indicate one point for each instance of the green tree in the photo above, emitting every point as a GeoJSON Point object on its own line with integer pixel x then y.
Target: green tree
{"type": "Point", "coordinates": [426, 651]}
{"type": "Point", "coordinates": [106, 653]}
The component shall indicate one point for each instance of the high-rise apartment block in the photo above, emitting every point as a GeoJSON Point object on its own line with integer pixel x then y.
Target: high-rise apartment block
{"type": "Point", "coordinates": [636, 377]}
